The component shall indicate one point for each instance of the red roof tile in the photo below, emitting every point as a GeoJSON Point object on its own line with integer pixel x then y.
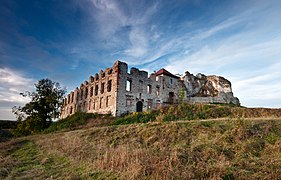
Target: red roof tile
{"type": "Point", "coordinates": [165, 72]}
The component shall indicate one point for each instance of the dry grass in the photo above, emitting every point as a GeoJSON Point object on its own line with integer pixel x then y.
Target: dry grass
{"type": "Point", "coordinates": [21, 159]}
{"type": "Point", "coordinates": [178, 150]}
{"type": "Point", "coordinates": [241, 145]}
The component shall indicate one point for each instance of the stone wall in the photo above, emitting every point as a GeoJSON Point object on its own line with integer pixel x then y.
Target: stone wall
{"type": "Point", "coordinates": [204, 89]}
{"type": "Point", "coordinates": [150, 92]}
{"type": "Point", "coordinates": [98, 95]}
{"type": "Point", "coordinates": [117, 91]}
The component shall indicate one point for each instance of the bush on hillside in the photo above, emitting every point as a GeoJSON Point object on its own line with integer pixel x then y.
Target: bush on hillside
{"type": "Point", "coordinates": [136, 117]}
{"type": "Point", "coordinates": [186, 111]}
{"type": "Point", "coordinates": [73, 121]}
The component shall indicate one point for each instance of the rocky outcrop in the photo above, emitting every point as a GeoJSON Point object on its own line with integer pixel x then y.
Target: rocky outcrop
{"type": "Point", "coordinates": [202, 88]}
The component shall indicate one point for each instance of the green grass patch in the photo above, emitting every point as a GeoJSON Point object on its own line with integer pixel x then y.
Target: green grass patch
{"type": "Point", "coordinates": [136, 117]}
{"type": "Point", "coordinates": [74, 121]}
{"type": "Point", "coordinates": [28, 162]}
{"type": "Point", "coordinates": [186, 111]}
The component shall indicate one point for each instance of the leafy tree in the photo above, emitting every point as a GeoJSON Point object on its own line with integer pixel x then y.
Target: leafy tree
{"type": "Point", "coordinates": [44, 106]}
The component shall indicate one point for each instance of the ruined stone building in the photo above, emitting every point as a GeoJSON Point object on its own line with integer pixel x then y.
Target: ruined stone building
{"type": "Point", "coordinates": [116, 91]}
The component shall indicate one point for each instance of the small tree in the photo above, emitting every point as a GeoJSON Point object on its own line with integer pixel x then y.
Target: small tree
{"type": "Point", "coordinates": [44, 106]}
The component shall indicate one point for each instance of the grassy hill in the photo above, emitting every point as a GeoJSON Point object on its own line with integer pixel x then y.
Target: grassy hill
{"type": "Point", "coordinates": [225, 148]}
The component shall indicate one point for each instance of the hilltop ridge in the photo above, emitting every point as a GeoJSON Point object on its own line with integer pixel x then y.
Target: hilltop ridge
{"type": "Point", "coordinates": [214, 141]}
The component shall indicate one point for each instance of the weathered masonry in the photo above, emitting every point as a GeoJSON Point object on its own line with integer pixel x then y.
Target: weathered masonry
{"type": "Point", "coordinates": [116, 91]}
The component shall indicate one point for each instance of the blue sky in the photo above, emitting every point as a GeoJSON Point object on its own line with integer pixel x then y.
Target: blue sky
{"type": "Point", "coordinates": [67, 41]}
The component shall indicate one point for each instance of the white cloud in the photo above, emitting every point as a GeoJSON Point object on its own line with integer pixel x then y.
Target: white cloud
{"type": "Point", "coordinates": [11, 84]}
{"type": "Point", "coordinates": [109, 17]}
{"type": "Point", "coordinates": [9, 77]}
{"type": "Point", "coordinates": [216, 29]}
{"type": "Point", "coordinates": [123, 26]}
{"type": "Point", "coordinates": [243, 48]}
{"type": "Point", "coordinates": [138, 41]}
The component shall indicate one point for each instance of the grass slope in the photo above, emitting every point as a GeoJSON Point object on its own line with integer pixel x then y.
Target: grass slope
{"type": "Point", "coordinates": [227, 149]}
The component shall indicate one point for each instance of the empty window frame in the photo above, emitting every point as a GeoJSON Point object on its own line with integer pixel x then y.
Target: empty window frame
{"type": "Point", "coordinates": [96, 89]}
{"type": "Point", "coordinates": [77, 96]}
{"type": "Point", "coordinates": [109, 84]}
{"type": "Point", "coordinates": [91, 91]}
{"type": "Point", "coordinates": [157, 90]}
{"type": "Point", "coordinates": [102, 88]}
{"type": "Point", "coordinates": [129, 85]}
{"type": "Point", "coordinates": [97, 76]}
{"type": "Point", "coordinates": [107, 101]}
{"type": "Point", "coordinates": [86, 93]}
{"type": "Point", "coordinates": [148, 89]}
{"type": "Point", "coordinates": [92, 79]}
{"type": "Point", "coordinates": [81, 96]}
{"type": "Point", "coordinates": [94, 104]}
{"type": "Point", "coordinates": [149, 103]}
{"type": "Point", "coordinates": [89, 106]}
{"type": "Point", "coordinates": [72, 97]}
{"type": "Point", "coordinates": [110, 72]}
{"type": "Point", "coordinates": [101, 101]}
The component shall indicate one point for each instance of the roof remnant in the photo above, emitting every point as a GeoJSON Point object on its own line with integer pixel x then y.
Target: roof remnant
{"type": "Point", "coordinates": [165, 72]}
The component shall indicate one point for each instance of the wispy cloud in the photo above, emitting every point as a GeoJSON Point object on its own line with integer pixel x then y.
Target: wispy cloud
{"type": "Point", "coordinates": [238, 40]}
{"type": "Point", "coordinates": [242, 48]}
{"type": "Point", "coordinates": [138, 42]}
{"type": "Point", "coordinates": [122, 26]}
{"type": "Point", "coordinates": [11, 84]}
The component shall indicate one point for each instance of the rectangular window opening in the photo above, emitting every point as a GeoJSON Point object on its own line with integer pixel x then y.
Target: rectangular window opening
{"type": "Point", "coordinates": [107, 100]}
{"type": "Point", "coordinates": [77, 96]}
{"type": "Point", "coordinates": [86, 93]}
{"type": "Point", "coordinates": [96, 89]}
{"type": "Point", "coordinates": [89, 105]}
{"type": "Point", "coordinates": [102, 88]}
{"type": "Point", "coordinates": [101, 102]}
{"type": "Point", "coordinates": [91, 91]}
{"type": "Point", "coordinates": [149, 104]}
{"type": "Point", "coordinates": [149, 89]}
{"type": "Point", "coordinates": [81, 94]}
{"type": "Point", "coordinates": [109, 84]}
{"type": "Point", "coordinates": [157, 90]}
{"type": "Point", "coordinates": [129, 85]}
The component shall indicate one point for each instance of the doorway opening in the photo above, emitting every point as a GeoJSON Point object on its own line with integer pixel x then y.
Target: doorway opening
{"type": "Point", "coordinates": [139, 106]}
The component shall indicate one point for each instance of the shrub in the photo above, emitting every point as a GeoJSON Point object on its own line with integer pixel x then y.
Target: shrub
{"type": "Point", "coordinates": [71, 122]}
{"type": "Point", "coordinates": [137, 117]}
